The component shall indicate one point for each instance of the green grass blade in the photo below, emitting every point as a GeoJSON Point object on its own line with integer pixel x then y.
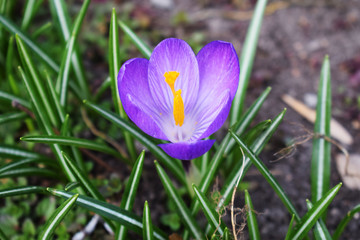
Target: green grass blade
{"type": "Point", "coordinates": [7, 151]}
{"type": "Point", "coordinates": [140, 44]}
{"type": "Point", "coordinates": [128, 198]}
{"type": "Point", "coordinates": [30, 171]}
{"type": "Point", "coordinates": [63, 77]}
{"type": "Point", "coordinates": [227, 234]}
{"type": "Point", "coordinates": [210, 213]}
{"type": "Point", "coordinates": [39, 92]}
{"type": "Point", "coordinates": [44, 28]}
{"type": "Point", "coordinates": [64, 130]}
{"type": "Point", "coordinates": [104, 86]}
{"type": "Point", "coordinates": [344, 222]}
{"type": "Point", "coordinates": [70, 186]}
{"type": "Point", "coordinates": [251, 218]}
{"type": "Point", "coordinates": [10, 192]}
{"type": "Point", "coordinates": [173, 165]}
{"type": "Point", "coordinates": [241, 126]}
{"type": "Point", "coordinates": [147, 224]}
{"type": "Point", "coordinates": [57, 217]}
{"type": "Point", "coordinates": [10, 58]}
{"type": "Point", "coordinates": [290, 228]}
{"type": "Point", "coordinates": [251, 135]}
{"type": "Point", "coordinates": [30, 10]}
{"type": "Point", "coordinates": [84, 180]}
{"type": "Point", "coordinates": [11, 27]}
{"type": "Point", "coordinates": [256, 147]}
{"type": "Point", "coordinates": [12, 117]}
{"type": "Point", "coordinates": [114, 65]}
{"type": "Point", "coordinates": [2, 234]}
{"type": "Point", "coordinates": [61, 14]}
{"type": "Point", "coordinates": [24, 162]}
{"type": "Point", "coordinates": [247, 60]}
{"type": "Point", "coordinates": [320, 162]}
{"type": "Point", "coordinates": [126, 218]}
{"type": "Point", "coordinates": [86, 183]}
{"type": "Point", "coordinates": [9, 98]}
{"type": "Point", "coordinates": [184, 213]}
{"type": "Point", "coordinates": [268, 176]}
{"type": "Point", "coordinates": [54, 98]}
{"type": "Point", "coordinates": [43, 118]}
{"type": "Point", "coordinates": [72, 141]}
{"type": "Point", "coordinates": [225, 147]}
{"type": "Point", "coordinates": [320, 230]}
{"type": "Point", "coordinates": [310, 218]}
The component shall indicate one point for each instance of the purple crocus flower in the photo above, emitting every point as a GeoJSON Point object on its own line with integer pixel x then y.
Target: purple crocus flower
{"type": "Point", "coordinates": [179, 97]}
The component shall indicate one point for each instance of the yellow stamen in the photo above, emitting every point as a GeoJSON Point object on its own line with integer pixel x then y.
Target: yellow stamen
{"type": "Point", "coordinates": [178, 111]}
{"type": "Point", "coordinates": [178, 108]}
{"type": "Point", "coordinates": [170, 78]}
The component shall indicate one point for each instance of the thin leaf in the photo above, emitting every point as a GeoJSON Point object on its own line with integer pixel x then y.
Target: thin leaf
{"type": "Point", "coordinates": [7, 151]}
{"type": "Point", "coordinates": [43, 118]}
{"type": "Point", "coordinates": [256, 147]}
{"type": "Point", "coordinates": [225, 146]}
{"type": "Point", "coordinates": [39, 92]}
{"type": "Point", "coordinates": [184, 213]}
{"type": "Point", "coordinates": [44, 28]}
{"type": "Point", "coordinates": [320, 230]}
{"type": "Point", "coordinates": [71, 141]}
{"type": "Point", "coordinates": [61, 14]}
{"type": "Point", "coordinates": [30, 171]}
{"type": "Point", "coordinates": [30, 10]}
{"type": "Point", "coordinates": [140, 44]}
{"type": "Point", "coordinates": [251, 218]}
{"type": "Point", "coordinates": [84, 180]}
{"type": "Point", "coordinates": [57, 217]}
{"type": "Point", "coordinates": [310, 218]}
{"type": "Point", "coordinates": [9, 98]}
{"type": "Point", "coordinates": [71, 186]}
{"type": "Point", "coordinates": [63, 77]}
{"type": "Point", "coordinates": [268, 176]}
{"type": "Point", "coordinates": [247, 60]}
{"type": "Point", "coordinates": [128, 198]}
{"type": "Point", "coordinates": [320, 162]}
{"type": "Point", "coordinates": [114, 65]}
{"type": "Point", "coordinates": [226, 234]}
{"type": "Point", "coordinates": [104, 86]}
{"type": "Point", "coordinates": [65, 126]}
{"type": "Point", "coordinates": [147, 224]}
{"type": "Point", "coordinates": [2, 234]}
{"type": "Point", "coordinates": [211, 215]}
{"type": "Point", "coordinates": [344, 222]}
{"type": "Point", "coordinates": [54, 99]}
{"type": "Point", "coordinates": [12, 117]}
{"type": "Point", "coordinates": [16, 191]}
{"type": "Point", "coordinates": [173, 165]}
{"type": "Point", "coordinates": [290, 228]}
{"type": "Point", "coordinates": [11, 27]}
{"type": "Point", "coordinates": [24, 162]}
{"type": "Point", "coordinates": [104, 209]}
{"type": "Point", "coordinates": [86, 184]}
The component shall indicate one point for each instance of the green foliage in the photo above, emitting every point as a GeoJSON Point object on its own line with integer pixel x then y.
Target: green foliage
{"type": "Point", "coordinates": [43, 99]}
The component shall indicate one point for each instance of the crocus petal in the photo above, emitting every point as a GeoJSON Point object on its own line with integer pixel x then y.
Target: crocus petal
{"type": "Point", "coordinates": [219, 70]}
{"type": "Point", "coordinates": [213, 116]}
{"type": "Point", "coordinates": [136, 97]}
{"type": "Point", "coordinates": [173, 55]}
{"type": "Point", "coordinates": [187, 150]}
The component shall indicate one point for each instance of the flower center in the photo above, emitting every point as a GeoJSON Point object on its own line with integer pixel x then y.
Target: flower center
{"type": "Point", "coordinates": [178, 109]}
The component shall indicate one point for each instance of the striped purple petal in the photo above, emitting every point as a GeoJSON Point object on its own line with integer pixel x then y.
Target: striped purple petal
{"type": "Point", "coordinates": [187, 150]}
{"type": "Point", "coordinates": [136, 98]}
